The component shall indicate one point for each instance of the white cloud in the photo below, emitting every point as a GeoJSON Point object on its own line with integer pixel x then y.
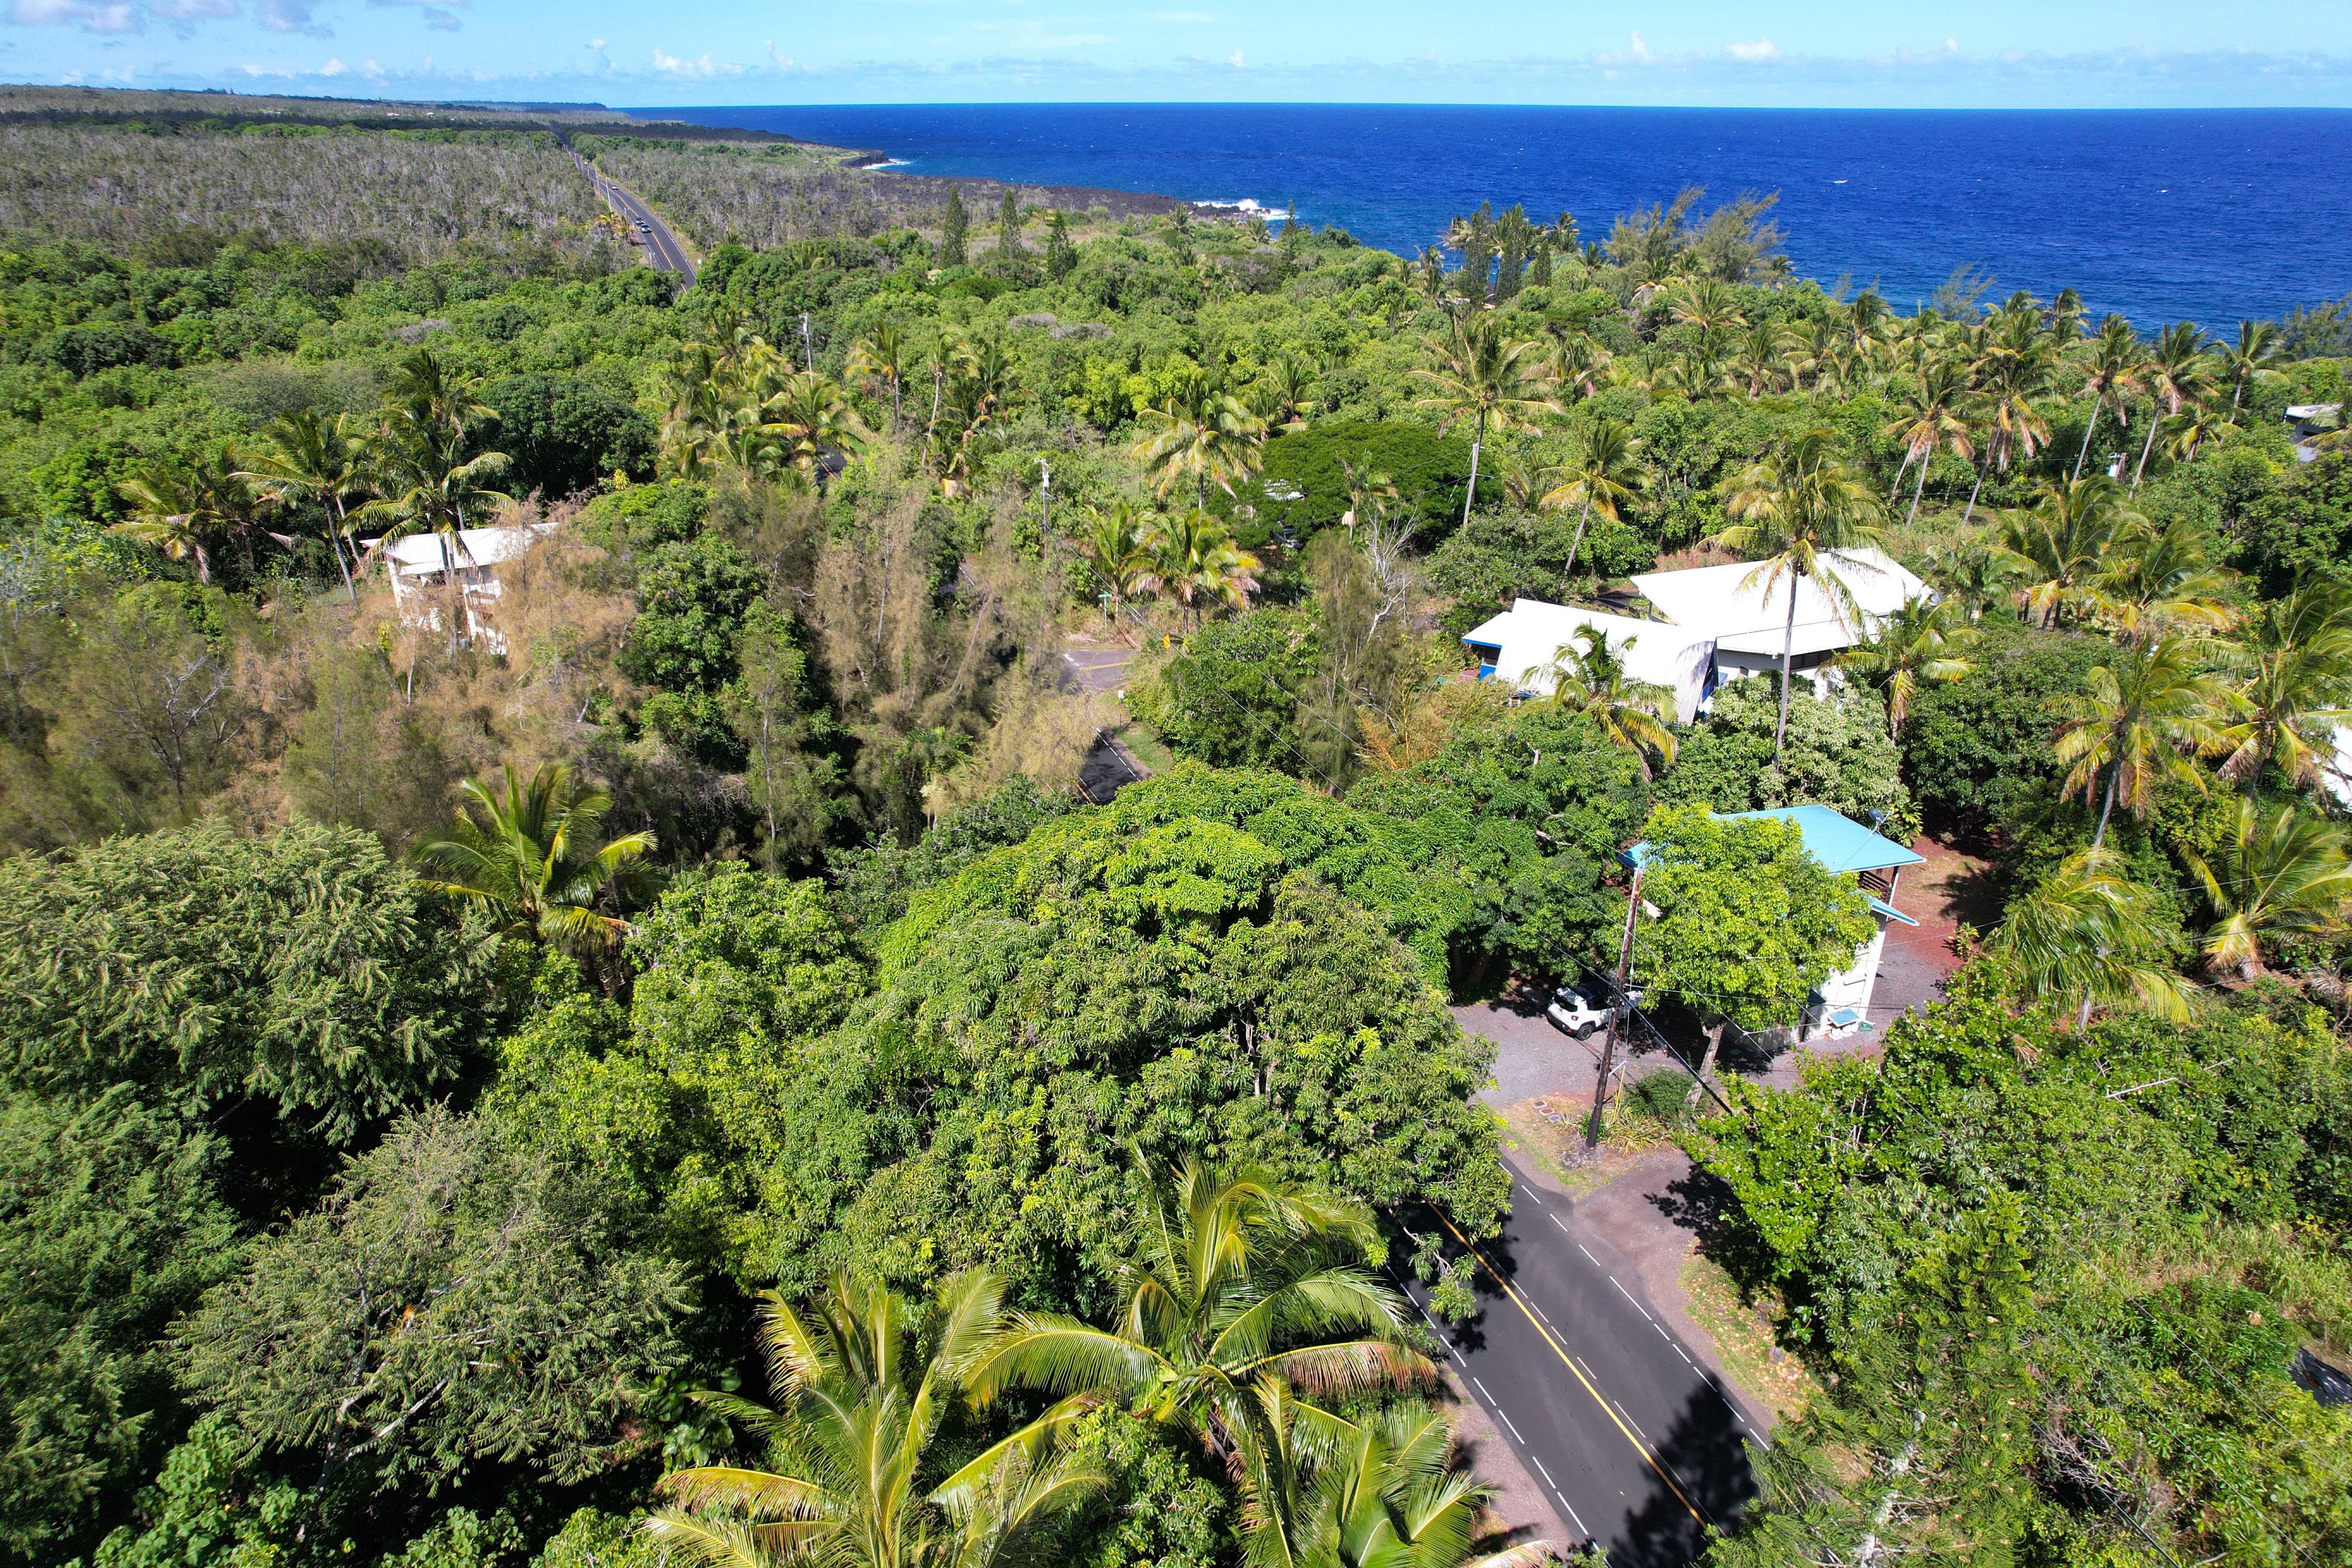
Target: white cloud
{"type": "Point", "coordinates": [703, 69]}
{"type": "Point", "coordinates": [115, 17]}
{"type": "Point", "coordinates": [1235, 60]}
{"type": "Point", "coordinates": [1641, 49]}
{"type": "Point", "coordinates": [290, 17]}
{"type": "Point", "coordinates": [1179, 16]}
{"type": "Point", "coordinates": [1753, 50]}
{"type": "Point", "coordinates": [334, 68]}
{"type": "Point", "coordinates": [436, 13]}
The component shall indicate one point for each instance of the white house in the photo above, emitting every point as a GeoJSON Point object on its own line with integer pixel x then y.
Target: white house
{"type": "Point", "coordinates": [420, 566]}
{"type": "Point", "coordinates": [1716, 624]}
{"type": "Point", "coordinates": [1840, 1006]}
{"type": "Point", "coordinates": [2305, 420]}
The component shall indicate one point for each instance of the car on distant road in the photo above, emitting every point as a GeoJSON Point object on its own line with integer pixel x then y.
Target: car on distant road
{"type": "Point", "coordinates": [1582, 1006]}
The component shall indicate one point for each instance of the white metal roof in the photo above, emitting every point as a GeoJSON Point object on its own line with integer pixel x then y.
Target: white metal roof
{"type": "Point", "coordinates": [1529, 636]}
{"type": "Point", "coordinates": [421, 554]}
{"type": "Point", "coordinates": [1733, 604]}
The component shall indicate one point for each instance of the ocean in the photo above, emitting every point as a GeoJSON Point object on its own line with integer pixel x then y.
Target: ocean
{"type": "Point", "coordinates": [2208, 215]}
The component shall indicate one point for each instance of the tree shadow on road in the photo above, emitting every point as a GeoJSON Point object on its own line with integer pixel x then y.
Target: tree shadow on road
{"type": "Point", "coordinates": [1708, 1461]}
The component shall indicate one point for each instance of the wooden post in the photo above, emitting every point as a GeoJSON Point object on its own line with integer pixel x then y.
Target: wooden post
{"type": "Point", "coordinates": [1618, 1008]}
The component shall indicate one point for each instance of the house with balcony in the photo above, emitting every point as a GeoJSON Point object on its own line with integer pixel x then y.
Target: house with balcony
{"type": "Point", "coordinates": [1711, 624]}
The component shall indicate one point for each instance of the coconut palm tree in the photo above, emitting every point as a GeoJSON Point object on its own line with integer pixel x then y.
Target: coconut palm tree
{"type": "Point", "coordinates": [2282, 873]}
{"type": "Point", "coordinates": [425, 484]}
{"type": "Point", "coordinates": [1924, 641]}
{"type": "Point", "coordinates": [1576, 363]}
{"type": "Point", "coordinates": [880, 359]}
{"type": "Point", "coordinates": [529, 854]}
{"type": "Point", "coordinates": [1763, 358]}
{"type": "Point", "coordinates": [2058, 546]}
{"type": "Point", "coordinates": [321, 459]}
{"type": "Point", "coordinates": [853, 1440]}
{"type": "Point", "coordinates": [171, 513]}
{"type": "Point", "coordinates": [2254, 358]}
{"type": "Point", "coordinates": [1975, 577]}
{"type": "Point", "coordinates": [1486, 379]}
{"type": "Point", "coordinates": [2161, 580]}
{"type": "Point", "coordinates": [1115, 544]}
{"type": "Point", "coordinates": [2175, 373]}
{"type": "Point", "coordinates": [1382, 1491]}
{"type": "Point", "coordinates": [809, 419]}
{"type": "Point", "coordinates": [2144, 714]}
{"type": "Point", "coordinates": [1707, 303]}
{"type": "Point", "coordinates": [1603, 474]}
{"type": "Point", "coordinates": [2010, 373]}
{"type": "Point", "coordinates": [1802, 510]}
{"type": "Point", "coordinates": [1932, 418]}
{"type": "Point", "coordinates": [1588, 677]}
{"type": "Point", "coordinates": [1202, 434]}
{"type": "Point", "coordinates": [2111, 374]}
{"type": "Point", "coordinates": [2298, 689]}
{"type": "Point", "coordinates": [1244, 1283]}
{"type": "Point", "coordinates": [2090, 936]}
{"type": "Point", "coordinates": [1195, 557]}
{"type": "Point", "coordinates": [2197, 425]}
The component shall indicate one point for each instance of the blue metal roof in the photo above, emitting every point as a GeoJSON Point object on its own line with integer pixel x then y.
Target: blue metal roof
{"type": "Point", "coordinates": [1838, 842]}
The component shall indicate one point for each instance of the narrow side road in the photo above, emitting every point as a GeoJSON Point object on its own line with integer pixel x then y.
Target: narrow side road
{"type": "Point", "coordinates": [662, 248]}
{"type": "Point", "coordinates": [1636, 1441]}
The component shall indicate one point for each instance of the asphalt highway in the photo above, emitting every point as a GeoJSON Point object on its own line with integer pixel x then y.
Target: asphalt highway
{"type": "Point", "coordinates": [1635, 1442]}
{"type": "Point", "coordinates": [662, 248]}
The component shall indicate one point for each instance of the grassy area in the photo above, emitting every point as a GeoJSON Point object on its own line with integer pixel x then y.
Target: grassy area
{"type": "Point", "coordinates": [1149, 748]}
{"type": "Point", "coordinates": [1745, 1339]}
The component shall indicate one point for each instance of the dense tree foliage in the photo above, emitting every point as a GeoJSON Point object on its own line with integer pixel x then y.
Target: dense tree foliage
{"type": "Point", "coordinates": [383, 1186]}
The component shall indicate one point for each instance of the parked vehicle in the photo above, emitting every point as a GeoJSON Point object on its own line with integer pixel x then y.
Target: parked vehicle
{"type": "Point", "coordinates": [1582, 1006]}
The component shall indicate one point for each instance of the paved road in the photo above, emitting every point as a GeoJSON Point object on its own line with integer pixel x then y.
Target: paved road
{"type": "Point", "coordinates": [1636, 1443]}
{"type": "Point", "coordinates": [662, 248]}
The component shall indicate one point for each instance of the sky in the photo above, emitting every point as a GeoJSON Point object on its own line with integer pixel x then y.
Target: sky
{"type": "Point", "coordinates": [1821, 53]}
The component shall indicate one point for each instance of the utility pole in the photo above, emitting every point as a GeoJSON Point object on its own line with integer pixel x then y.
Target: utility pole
{"type": "Point", "coordinates": [1045, 499]}
{"type": "Point", "coordinates": [807, 347]}
{"type": "Point", "coordinates": [1618, 1008]}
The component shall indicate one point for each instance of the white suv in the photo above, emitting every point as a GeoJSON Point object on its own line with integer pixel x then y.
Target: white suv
{"type": "Point", "coordinates": [1583, 1007]}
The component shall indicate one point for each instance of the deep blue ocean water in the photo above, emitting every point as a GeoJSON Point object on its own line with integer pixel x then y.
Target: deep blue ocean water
{"type": "Point", "coordinates": [2203, 214]}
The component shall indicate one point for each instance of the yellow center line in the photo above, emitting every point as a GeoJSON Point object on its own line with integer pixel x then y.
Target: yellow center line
{"type": "Point", "coordinates": [1569, 1361]}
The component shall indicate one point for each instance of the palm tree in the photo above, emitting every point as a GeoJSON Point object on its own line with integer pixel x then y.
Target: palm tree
{"type": "Point", "coordinates": [2009, 375]}
{"type": "Point", "coordinates": [2198, 425]}
{"type": "Point", "coordinates": [880, 358]}
{"type": "Point", "coordinates": [171, 513]}
{"type": "Point", "coordinates": [1587, 677]}
{"type": "Point", "coordinates": [425, 484]}
{"type": "Point", "coordinates": [2110, 376]}
{"type": "Point", "coordinates": [1481, 377]}
{"type": "Point", "coordinates": [1930, 419]}
{"type": "Point", "coordinates": [2175, 374]}
{"type": "Point", "coordinates": [1603, 474]}
{"type": "Point", "coordinates": [1707, 303]}
{"type": "Point", "coordinates": [1799, 509]}
{"type": "Point", "coordinates": [529, 856]}
{"type": "Point", "coordinates": [1576, 363]}
{"type": "Point", "coordinates": [852, 1435]}
{"type": "Point", "coordinates": [1115, 544]}
{"type": "Point", "coordinates": [2144, 714]}
{"type": "Point", "coordinates": [1195, 557]}
{"type": "Point", "coordinates": [1379, 1492]}
{"type": "Point", "coordinates": [1202, 434]}
{"type": "Point", "coordinates": [2253, 358]}
{"type": "Point", "coordinates": [809, 418]}
{"type": "Point", "coordinates": [314, 457]}
{"type": "Point", "coordinates": [2299, 688]}
{"type": "Point", "coordinates": [2091, 936]}
{"type": "Point", "coordinates": [2160, 580]}
{"type": "Point", "coordinates": [1245, 1283]}
{"type": "Point", "coordinates": [1763, 357]}
{"type": "Point", "coordinates": [2061, 544]}
{"type": "Point", "coordinates": [1920, 642]}
{"type": "Point", "coordinates": [2284, 873]}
